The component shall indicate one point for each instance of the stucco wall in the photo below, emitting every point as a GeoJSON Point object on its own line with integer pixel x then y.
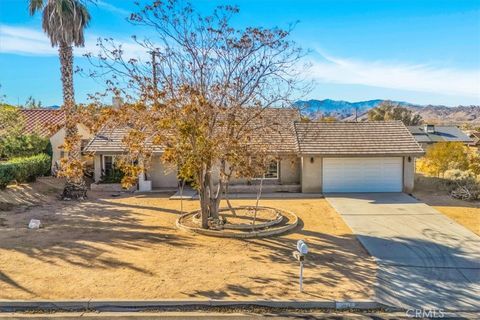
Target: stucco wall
{"type": "Point", "coordinates": [58, 139]}
{"type": "Point", "coordinates": [311, 174]}
{"type": "Point", "coordinates": [290, 170]}
{"type": "Point", "coordinates": [289, 173]}
{"type": "Point", "coordinates": [161, 175]}
{"type": "Point", "coordinates": [408, 174]}
{"type": "Point", "coordinates": [97, 167]}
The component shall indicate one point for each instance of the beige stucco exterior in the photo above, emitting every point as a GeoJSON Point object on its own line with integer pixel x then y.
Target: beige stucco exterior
{"type": "Point", "coordinates": [290, 170]}
{"type": "Point", "coordinates": [312, 167]}
{"type": "Point", "coordinates": [306, 171]}
{"type": "Point", "coordinates": [97, 167]}
{"type": "Point", "coordinates": [158, 173]}
{"type": "Point", "coordinates": [288, 173]}
{"type": "Point", "coordinates": [161, 175]}
{"type": "Point", "coordinates": [408, 174]}
{"type": "Point", "coordinates": [58, 139]}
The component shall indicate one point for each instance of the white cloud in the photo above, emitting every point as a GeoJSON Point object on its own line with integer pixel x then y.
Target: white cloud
{"type": "Point", "coordinates": [114, 9]}
{"type": "Point", "coordinates": [24, 41]}
{"type": "Point", "coordinates": [29, 41]}
{"type": "Point", "coordinates": [401, 76]}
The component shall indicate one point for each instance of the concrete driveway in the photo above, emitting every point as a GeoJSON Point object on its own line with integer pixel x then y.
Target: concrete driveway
{"type": "Point", "coordinates": [425, 259]}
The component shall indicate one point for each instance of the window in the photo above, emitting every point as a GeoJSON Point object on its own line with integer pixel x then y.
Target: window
{"type": "Point", "coordinates": [272, 170]}
{"type": "Point", "coordinates": [107, 164]}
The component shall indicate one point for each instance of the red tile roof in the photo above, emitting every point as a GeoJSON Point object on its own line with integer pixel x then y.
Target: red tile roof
{"type": "Point", "coordinates": [41, 120]}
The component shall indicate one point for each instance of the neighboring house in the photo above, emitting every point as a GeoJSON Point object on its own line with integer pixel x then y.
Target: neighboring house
{"type": "Point", "coordinates": [475, 136]}
{"type": "Point", "coordinates": [41, 121]}
{"type": "Point", "coordinates": [475, 144]}
{"type": "Point", "coordinates": [429, 134]}
{"type": "Point", "coordinates": [313, 157]}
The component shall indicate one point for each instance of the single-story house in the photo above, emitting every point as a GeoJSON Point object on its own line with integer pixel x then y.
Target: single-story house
{"type": "Point", "coordinates": [429, 134]}
{"type": "Point", "coordinates": [313, 157]}
{"type": "Point", "coordinates": [40, 121]}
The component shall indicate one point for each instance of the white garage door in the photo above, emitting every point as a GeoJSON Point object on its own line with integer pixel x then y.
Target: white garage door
{"type": "Point", "coordinates": [362, 175]}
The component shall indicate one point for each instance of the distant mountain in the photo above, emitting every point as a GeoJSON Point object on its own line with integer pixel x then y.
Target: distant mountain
{"type": "Point", "coordinates": [348, 111]}
{"type": "Point", "coordinates": [453, 115]}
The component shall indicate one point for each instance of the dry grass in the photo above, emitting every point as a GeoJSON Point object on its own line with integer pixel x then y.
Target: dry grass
{"type": "Point", "coordinates": [128, 248]}
{"type": "Point", "coordinates": [466, 213]}
{"type": "Point", "coordinates": [463, 212]}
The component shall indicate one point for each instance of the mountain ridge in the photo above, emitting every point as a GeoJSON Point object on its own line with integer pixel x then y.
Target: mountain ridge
{"type": "Point", "coordinates": [347, 111]}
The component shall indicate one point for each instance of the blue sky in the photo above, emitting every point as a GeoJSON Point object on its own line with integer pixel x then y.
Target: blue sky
{"type": "Point", "coordinates": [410, 50]}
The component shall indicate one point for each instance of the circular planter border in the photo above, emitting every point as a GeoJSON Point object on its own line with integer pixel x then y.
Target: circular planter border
{"type": "Point", "coordinates": [225, 233]}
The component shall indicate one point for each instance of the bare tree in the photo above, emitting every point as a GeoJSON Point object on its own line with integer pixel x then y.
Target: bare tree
{"type": "Point", "coordinates": [211, 102]}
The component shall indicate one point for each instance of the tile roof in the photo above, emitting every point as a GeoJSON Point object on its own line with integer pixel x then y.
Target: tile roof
{"type": "Point", "coordinates": [110, 140]}
{"type": "Point", "coordinates": [280, 136]}
{"type": "Point", "coordinates": [279, 133]}
{"type": "Point", "coordinates": [40, 120]}
{"type": "Point", "coordinates": [317, 138]}
{"type": "Point", "coordinates": [356, 138]}
{"type": "Point", "coordinates": [441, 134]}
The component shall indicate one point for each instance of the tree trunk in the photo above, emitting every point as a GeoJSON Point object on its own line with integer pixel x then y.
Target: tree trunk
{"type": "Point", "coordinates": [259, 194]}
{"type": "Point", "coordinates": [75, 187]}
{"type": "Point", "coordinates": [209, 199]}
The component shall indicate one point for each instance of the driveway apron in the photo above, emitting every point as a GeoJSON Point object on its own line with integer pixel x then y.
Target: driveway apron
{"type": "Point", "coordinates": [426, 260]}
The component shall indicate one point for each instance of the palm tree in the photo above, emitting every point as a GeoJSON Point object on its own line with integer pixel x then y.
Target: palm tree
{"type": "Point", "coordinates": [64, 22]}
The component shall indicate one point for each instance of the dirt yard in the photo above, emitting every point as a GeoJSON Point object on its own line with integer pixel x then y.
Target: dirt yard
{"type": "Point", "coordinates": [465, 213]}
{"type": "Point", "coordinates": [128, 248]}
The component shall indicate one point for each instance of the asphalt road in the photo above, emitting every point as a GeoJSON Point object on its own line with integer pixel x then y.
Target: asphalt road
{"type": "Point", "coordinates": [219, 316]}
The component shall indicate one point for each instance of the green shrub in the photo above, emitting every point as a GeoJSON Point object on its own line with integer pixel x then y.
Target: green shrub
{"type": "Point", "coordinates": [25, 169]}
{"type": "Point", "coordinates": [114, 176]}
{"type": "Point", "coordinates": [12, 146]}
{"type": "Point", "coordinates": [7, 174]}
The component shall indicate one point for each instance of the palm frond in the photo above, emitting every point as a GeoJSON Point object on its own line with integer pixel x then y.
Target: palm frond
{"type": "Point", "coordinates": [64, 21]}
{"type": "Point", "coordinates": [34, 6]}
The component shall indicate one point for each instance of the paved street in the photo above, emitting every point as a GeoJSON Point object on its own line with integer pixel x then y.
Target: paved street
{"type": "Point", "coordinates": [425, 259]}
{"type": "Point", "coordinates": [220, 316]}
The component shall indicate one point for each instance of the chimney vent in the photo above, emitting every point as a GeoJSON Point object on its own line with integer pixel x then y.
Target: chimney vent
{"type": "Point", "coordinates": [429, 128]}
{"type": "Point", "coordinates": [117, 102]}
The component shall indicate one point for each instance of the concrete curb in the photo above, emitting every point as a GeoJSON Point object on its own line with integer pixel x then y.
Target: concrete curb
{"type": "Point", "coordinates": [234, 235]}
{"type": "Point", "coordinates": [142, 305]}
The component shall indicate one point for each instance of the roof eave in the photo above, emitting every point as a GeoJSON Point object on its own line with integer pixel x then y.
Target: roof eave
{"type": "Point", "coordinates": [362, 155]}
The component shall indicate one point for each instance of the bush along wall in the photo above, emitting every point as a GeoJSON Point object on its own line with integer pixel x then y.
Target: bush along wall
{"type": "Point", "coordinates": [25, 169]}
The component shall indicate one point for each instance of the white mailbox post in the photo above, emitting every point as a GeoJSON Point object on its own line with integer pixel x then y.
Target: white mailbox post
{"type": "Point", "coordinates": [299, 254]}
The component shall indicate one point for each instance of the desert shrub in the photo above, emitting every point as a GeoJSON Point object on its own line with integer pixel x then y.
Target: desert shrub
{"type": "Point", "coordinates": [464, 184]}
{"type": "Point", "coordinates": [474, 161]}
{"type": "Point", "coordinates": [460, 175]}
{"type": "Point", "coordinates": [25, 169]}
{"type": "Point", "coordinates": [444, 156]}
